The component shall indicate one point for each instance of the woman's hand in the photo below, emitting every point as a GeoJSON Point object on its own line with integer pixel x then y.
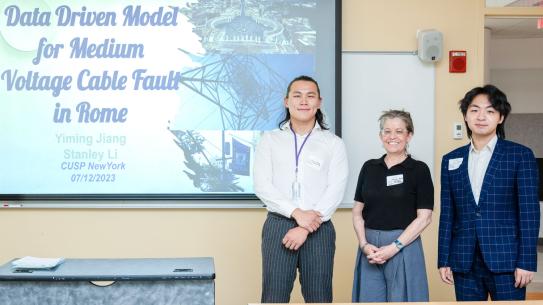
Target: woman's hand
{"type": "Point", "coordinates": [369, 249]}
{"type": "Point", "coordinates": [383, 254]}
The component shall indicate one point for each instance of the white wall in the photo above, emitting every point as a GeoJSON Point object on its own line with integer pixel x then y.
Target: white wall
{"type": "Point", "coordinates": [524, 53]}
{"type": "Point", "coordinates": [524, 88]}
{"type": "Point", "coordinates": [516, 67]}
{"type": "Point", "coordinates": [488, 37]}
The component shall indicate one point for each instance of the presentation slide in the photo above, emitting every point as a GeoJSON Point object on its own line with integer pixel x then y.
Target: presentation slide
{"type": "Point", "coordinates": [151, 98]}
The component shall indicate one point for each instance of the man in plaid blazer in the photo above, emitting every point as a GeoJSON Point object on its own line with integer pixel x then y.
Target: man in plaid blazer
{"type": "Point", "coordinates": [489, 221]}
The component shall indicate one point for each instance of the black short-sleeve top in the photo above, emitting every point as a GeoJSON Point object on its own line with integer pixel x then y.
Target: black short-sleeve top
{"type": "Point", "coordinates": [391, 196]}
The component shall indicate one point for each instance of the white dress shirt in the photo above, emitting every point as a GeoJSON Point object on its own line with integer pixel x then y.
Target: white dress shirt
{"type": "Point", "coordinates": [477, 164]}
{"type": "Point", "coordinates": [322, 171]}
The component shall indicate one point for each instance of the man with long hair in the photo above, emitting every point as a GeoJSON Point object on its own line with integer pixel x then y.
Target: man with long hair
{"type": "Point", "coordinates": [300, 173]}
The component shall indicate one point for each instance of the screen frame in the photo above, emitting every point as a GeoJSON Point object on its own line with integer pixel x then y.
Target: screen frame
{"type": "Point", "coordinates": [93, 200]}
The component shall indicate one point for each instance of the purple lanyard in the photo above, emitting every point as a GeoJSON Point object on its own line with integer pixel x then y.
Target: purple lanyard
{"type": "Point", "coordinates": [296, 152]}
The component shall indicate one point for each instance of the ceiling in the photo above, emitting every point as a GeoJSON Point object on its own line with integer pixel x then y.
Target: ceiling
{"type": "Point", "coordinates": [502, 28]}
{"type": "Point", "coordinates": [523, 3]}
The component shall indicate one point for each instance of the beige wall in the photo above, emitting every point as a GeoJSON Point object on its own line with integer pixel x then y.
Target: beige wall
{"type": "Point", "coordinates": [232, 237]}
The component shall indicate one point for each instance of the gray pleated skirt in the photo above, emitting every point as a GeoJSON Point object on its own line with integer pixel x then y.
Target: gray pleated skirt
{"type": "Point", "coordinates": [401, 279]}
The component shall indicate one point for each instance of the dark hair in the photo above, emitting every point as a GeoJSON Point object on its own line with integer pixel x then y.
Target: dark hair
{"type": "Point", "coordinates": [319, 116]}
{"type": "Point", "coordinates": [497, 99]}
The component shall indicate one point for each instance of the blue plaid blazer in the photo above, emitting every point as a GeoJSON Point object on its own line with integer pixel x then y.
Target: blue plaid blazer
{"type": "Point", "coordinates": [506, 221]}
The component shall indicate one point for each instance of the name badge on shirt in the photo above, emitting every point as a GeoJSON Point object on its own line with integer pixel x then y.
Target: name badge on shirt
{"type": "Point", "coordinates": [394, 180]}
{"type": "Point", "coordinates": [455, 163]}
{"type": "Point", "coordinates": [314, 162]}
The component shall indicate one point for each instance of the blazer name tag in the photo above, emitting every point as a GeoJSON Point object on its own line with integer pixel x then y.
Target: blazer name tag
{"type": "Point", "coordinates": [394, 180]}
{"type": "Point", "coordinates": [455, 163]}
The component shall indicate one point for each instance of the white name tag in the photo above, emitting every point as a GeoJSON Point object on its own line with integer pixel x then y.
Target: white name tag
{"type": "Point", "coordinates": [455, 163]}
{"type": "Point", "coordinates": [394, 180]}
{"type": "Point", "coordinates": [314, 162]}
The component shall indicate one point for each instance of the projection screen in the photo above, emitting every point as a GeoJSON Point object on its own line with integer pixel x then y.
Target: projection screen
{"type": "Point", "coordinates": [152, 99]}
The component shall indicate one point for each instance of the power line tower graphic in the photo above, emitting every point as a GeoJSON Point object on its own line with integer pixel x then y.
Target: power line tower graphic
{"type": "Point", "coordinates": [247, 93]}
{"type": "Point", "coordinates": [245, 89]}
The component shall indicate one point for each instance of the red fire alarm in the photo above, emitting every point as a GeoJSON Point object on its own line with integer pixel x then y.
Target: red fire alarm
{"type": "Point", "coordinates": [457, 61]}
